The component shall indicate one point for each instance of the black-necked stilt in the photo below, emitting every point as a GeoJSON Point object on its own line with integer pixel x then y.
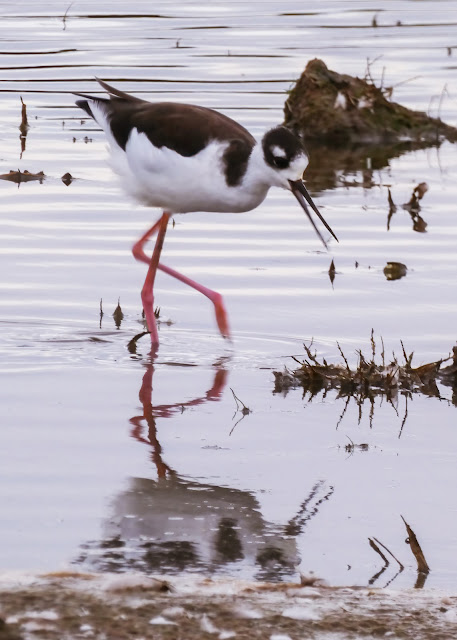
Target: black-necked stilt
{"type": "Point", "coordinates": [184, 158]}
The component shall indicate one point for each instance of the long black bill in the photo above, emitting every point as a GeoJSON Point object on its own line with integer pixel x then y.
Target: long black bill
{"type": "Point", "coordinates": [301, 193]}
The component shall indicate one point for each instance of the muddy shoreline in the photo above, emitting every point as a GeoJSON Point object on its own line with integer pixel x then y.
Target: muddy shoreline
{"type": "Point", "coordinates": [133, 606]}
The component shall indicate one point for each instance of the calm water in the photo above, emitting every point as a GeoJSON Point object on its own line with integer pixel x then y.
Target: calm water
{"type": "Point", "coordinates": [110, 463]}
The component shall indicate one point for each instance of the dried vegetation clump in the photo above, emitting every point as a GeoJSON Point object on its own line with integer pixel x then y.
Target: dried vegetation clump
{"type": "Point", "coordinates": [369, 378]}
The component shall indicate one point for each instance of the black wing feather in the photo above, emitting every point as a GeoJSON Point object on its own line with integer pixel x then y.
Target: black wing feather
{"type": "Point", "coordinates": [184, 128]}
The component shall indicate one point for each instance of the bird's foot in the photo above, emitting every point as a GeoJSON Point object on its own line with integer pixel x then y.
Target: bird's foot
{"type": "Point", "coordinates": [147, 299]}
{"type": "Point", "coordinates": [221, 316]}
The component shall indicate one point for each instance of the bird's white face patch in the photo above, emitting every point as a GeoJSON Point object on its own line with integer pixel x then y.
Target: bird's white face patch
{"type": "Point", "coordinates": [278, 152]}
{"type": "Point", "coordinates": [298, 166]}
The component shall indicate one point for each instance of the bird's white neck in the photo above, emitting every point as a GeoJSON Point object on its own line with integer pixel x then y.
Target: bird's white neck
{"type": "Point", "coordinates": [258, 173]}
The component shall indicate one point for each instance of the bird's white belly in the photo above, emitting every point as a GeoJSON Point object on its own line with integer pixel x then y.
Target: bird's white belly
{"type": "Point", "coordinates": [160, 177]}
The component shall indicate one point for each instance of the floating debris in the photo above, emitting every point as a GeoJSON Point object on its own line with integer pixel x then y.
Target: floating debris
{"type": "Point", "coordinates": [412, 207]}
{"type": "Point", "coordinates": [118, 315]}
{"type": "Point", "coordinates": [240, 407]}
{"type": "Point", "coordinates": [351, 446]}
{"type": "Point", "coordinates": [392, 206]}
{"type": "Point", "coordinates": [315, 108]}
{"type": "Point", "coordinates": [67, 179]}
{"type": "Point", "coordinates": [420, 190]}
{"type": "Point", "coordinates": [395, 270]}
{"type": "Point", "coordinates": [24, 126]}
{"type": "Point", "coordinates": [332, 272]}
{"type": "Point", "coordinates": [417, 194]}
{"type": "Point", "coordinates": [64, 19]}
{"type": "Point", "coordinates": [22, 176]}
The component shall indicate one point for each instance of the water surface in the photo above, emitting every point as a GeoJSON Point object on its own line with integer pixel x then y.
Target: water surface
{"type": "Point", "coordinates": [93, 475]}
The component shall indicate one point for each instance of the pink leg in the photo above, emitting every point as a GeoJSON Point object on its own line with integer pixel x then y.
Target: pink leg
{"type": "Point", "coordinates": [216, 298]}
{"type": "Point", "coordinates": [147, 293]}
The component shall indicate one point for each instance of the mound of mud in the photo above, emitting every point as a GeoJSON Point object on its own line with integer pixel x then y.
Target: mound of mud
{"type": "Point", "coordinates": [336, 109]}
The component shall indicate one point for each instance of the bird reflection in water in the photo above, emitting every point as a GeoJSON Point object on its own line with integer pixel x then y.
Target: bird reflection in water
{"type": "Point", "coordinates": [174, 524]}
{"type": "Point", "coordinates": [152, 412]}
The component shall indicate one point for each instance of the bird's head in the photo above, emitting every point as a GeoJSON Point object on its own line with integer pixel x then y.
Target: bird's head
{"type": "Point", "coordinates": [285, 155]}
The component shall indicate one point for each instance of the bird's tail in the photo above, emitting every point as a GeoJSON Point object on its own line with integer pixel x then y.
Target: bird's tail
{"type": "Point", "coordinates": [117, 93]}
{"type": "Point", "coordinates": [84, 105]}
{"type": "Point", "coordinates": [101, 102]}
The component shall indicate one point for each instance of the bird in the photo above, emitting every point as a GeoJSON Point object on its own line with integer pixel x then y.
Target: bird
{"type": "Point", "coordinates": [183, 158]}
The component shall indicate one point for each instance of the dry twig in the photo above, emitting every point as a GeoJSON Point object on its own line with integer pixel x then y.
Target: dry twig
{"type": "Point", "coordinates": [422, 566]}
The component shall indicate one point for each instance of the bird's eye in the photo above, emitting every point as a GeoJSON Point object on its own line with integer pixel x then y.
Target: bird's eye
{"type": "Point", "coordinates": [280, 162]}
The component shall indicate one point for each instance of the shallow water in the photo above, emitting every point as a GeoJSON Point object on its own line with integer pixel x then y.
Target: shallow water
{"type": "Point", "coordinates": [93, 475]}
